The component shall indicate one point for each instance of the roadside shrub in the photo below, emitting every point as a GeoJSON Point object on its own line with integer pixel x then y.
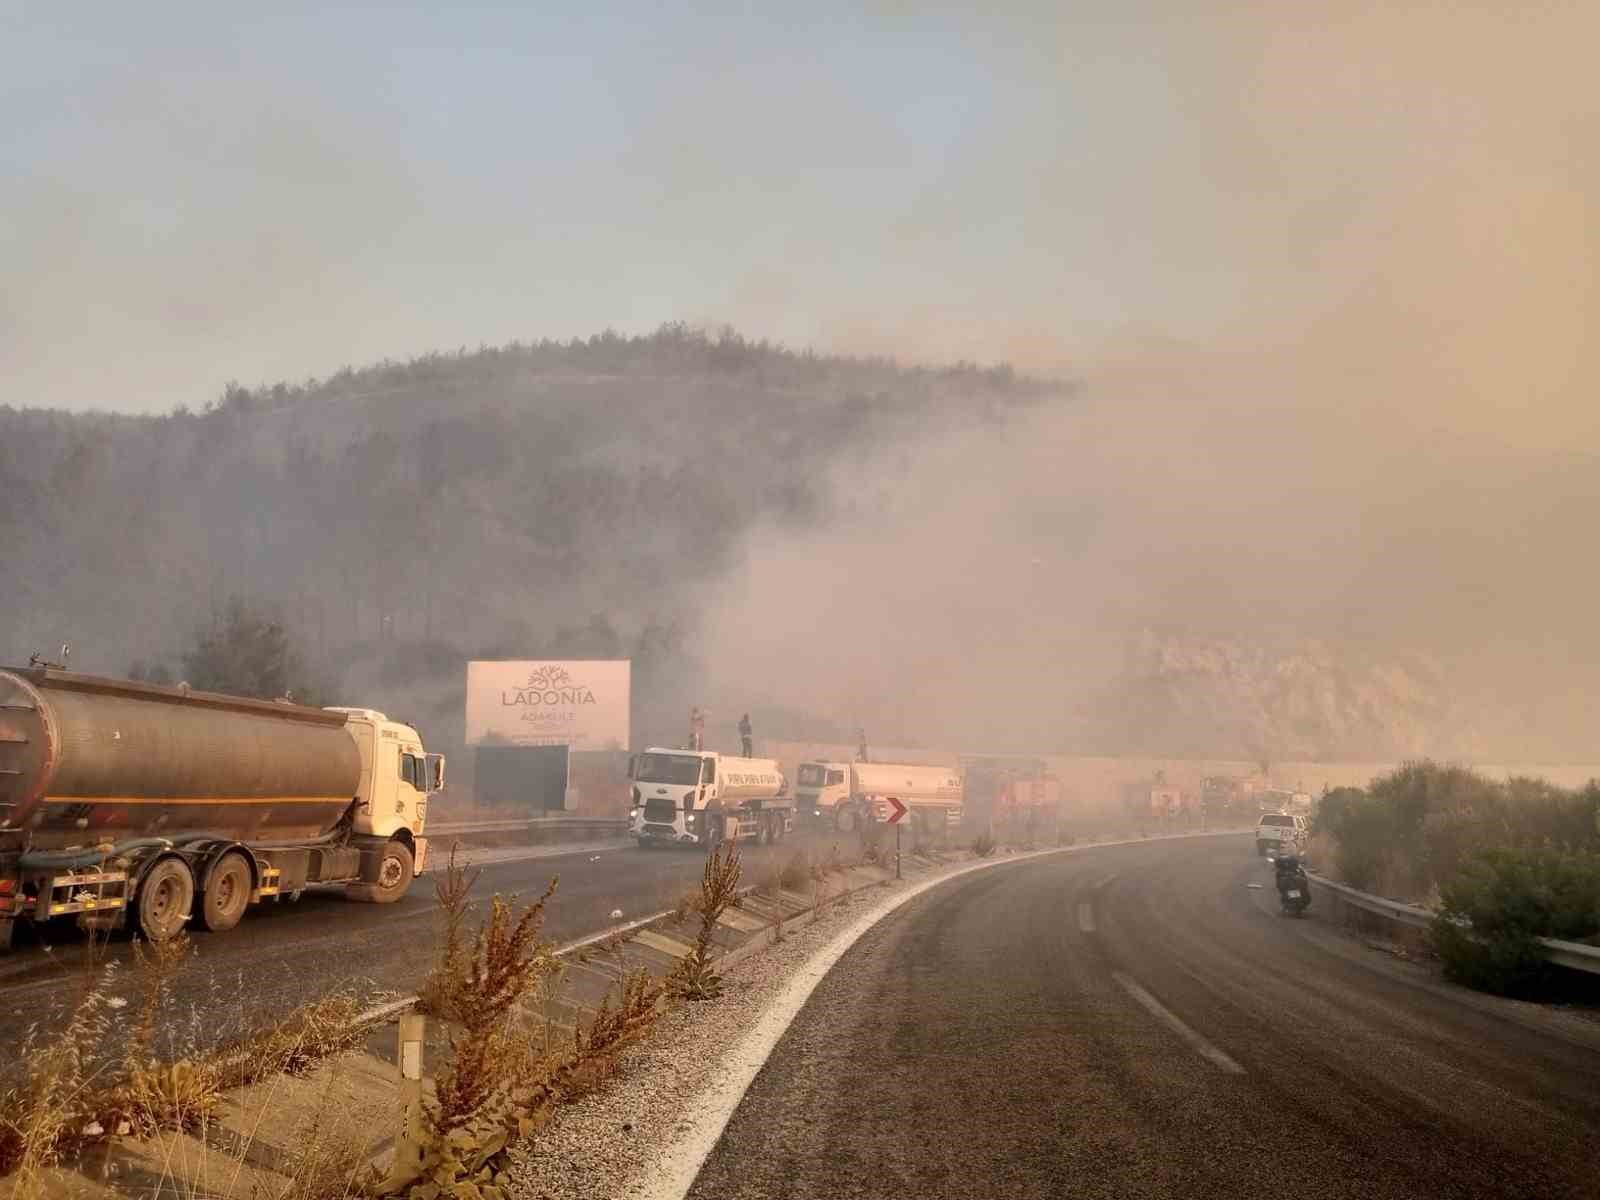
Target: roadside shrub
{"type": "Point", "coordinates": [1508, 899]}
{"type": "Point", "coordinates": [693, 978]}
{"type": "Point", "coordinates": [983, 845]}
{"type": "Point", "coordinates": [1412, 830]}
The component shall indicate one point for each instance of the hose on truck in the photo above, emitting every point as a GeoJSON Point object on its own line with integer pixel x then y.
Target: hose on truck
{"type": "Point", "coordinates": [49, 860]}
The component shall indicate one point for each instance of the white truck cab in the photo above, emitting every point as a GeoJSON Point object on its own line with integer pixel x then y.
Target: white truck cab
{"type": "Point", "coordinates": [397, 776]}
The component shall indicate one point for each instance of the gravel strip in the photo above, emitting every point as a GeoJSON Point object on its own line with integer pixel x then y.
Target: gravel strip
{"type": "Point", "coordinates": [606, 1143]}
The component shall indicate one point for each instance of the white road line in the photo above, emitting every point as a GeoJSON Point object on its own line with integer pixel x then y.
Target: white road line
{"type": "Point", "coordinates": [1171, 1020]}
{"type": "Point", "coordinates": [714, 1107]}
{"type": "Point", "coordinates": [1085, 917]}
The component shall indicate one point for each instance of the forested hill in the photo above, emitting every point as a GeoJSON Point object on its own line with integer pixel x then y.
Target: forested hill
{"type": "Point", "coordinates": [543, 498]}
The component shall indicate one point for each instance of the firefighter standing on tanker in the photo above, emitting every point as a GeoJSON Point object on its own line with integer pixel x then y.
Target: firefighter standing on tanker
{"type": "Point", "coordinates": [746, 740]}
{"type": "Point", "coordinates": [697, 729]}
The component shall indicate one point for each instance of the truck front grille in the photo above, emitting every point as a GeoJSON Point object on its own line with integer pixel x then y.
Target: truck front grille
{"type": "Point", "coordinates": [659, 811]}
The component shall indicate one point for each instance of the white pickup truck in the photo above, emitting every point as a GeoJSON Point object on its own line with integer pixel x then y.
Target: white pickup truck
{"type": "Point", "coordinates": [1276, 829]}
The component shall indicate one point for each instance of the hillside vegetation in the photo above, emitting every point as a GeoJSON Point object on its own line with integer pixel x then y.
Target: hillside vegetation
{"type": "Point", "coordinates": [958, 557]}
{"type": "Point", "coordinates": [550, 498]}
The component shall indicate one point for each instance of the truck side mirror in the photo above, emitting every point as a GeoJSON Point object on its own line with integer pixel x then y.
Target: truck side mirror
{"type": "Point", "coordinates": [435, 772]}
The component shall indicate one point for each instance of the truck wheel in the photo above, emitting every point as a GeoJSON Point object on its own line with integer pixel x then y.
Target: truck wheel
{"type": "Point", "coordinates": [395, 873]}
{"type": "Point", "coordinates": [165, 896]}
{"type": "Point", "coordinates": [227, 893]}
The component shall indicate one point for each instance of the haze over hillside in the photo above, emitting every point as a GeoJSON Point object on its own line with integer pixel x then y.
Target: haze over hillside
{"type": "Point", "coordinates": [945, 555]}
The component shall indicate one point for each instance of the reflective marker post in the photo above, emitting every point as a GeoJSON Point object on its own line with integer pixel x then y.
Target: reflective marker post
{"type": "Point", "coordinates": [899, 811]}
{"type": "Point", "coordinates": [408, 1146]}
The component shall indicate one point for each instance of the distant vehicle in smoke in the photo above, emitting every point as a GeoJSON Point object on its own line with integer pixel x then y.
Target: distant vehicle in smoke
{"type": "Point", "coordinates": [1279, 833]}
{"type": "Point", "coordinates": [847, 796]}
{"type": "Point", "coordinates": [128, 801]}
{"type": "Point", "coordinates": [701, 798]}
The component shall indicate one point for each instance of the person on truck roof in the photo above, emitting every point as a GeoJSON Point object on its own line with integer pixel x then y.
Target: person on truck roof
{"type": "Point", "coordinates": [746, 739]}
{"type": "Point", "coordinates": [697, 729]}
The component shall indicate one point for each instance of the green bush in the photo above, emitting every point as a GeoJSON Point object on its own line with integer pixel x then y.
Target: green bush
{"type": "Point", "coordinates": [1501, 902]}
{"type": "Point", "coordinates": [1413, 829]}
{"type": "Point", "coordinates": [1362, 828]}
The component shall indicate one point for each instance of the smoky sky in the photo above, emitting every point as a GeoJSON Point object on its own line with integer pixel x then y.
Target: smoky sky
{"type": "Point", "coordinates": [1392, 205]}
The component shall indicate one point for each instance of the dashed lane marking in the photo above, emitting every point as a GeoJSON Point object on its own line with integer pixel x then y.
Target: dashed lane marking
{"type": "Point", "coordinates": [1173, 1022]}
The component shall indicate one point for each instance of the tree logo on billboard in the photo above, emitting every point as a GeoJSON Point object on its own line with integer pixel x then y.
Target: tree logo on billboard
{"type": "Point", "coordinates": [549, 688]}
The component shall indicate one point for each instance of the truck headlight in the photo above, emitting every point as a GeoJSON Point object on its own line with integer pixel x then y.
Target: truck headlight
{"type": "Point", "coordinates": [688, 818]}
{"type": "Point", "coordinates": [633, 814]}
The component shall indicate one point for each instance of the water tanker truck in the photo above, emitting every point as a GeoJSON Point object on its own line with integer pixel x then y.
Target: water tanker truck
{"type": "Point", "coordinates": [850, 795]}
{"type": "Point", "coordinates": [701, 797]}
{"type": "Point", "coordinates": [128, 802]}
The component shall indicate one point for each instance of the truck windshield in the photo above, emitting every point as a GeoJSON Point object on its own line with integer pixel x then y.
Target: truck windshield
{"type": "Point", "coordinates": [812, 774]}
{"type": "Point", "coordinates": [667, 768]}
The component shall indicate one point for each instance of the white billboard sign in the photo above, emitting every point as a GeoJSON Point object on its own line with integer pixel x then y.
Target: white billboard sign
{"type": "Point", "coordinates": [583, 704]}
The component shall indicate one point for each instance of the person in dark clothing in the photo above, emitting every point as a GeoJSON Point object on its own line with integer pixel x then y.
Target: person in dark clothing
{"type": "Point", "coordinates": [1291, 873]}
{"type": "Point", "coordinates": [745, 736]}
{"type": "Point", "coordinates": [861, 750]}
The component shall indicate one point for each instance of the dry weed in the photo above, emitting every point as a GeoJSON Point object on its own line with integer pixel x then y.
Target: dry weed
{"type": "Point", "coordinates": [693, 978]}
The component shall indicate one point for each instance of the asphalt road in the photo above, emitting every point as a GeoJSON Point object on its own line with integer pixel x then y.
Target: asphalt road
{"type": "Point", "coordinates": [1138, 1022]}
{"type": "Point", "coordinates": [286, 953]}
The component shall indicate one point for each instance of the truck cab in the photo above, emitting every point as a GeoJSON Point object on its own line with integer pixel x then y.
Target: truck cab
{"type": "Point", "coordinates": [820, 787]}
{"type": "Point", "coordinates": [397, 776]}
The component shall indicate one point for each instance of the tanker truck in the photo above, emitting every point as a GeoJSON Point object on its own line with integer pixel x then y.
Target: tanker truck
{"type": "Point", "coordinates": [127, 802]}
{"type": "Point", "coordinates": [702, 797]}
{"type": "Point", "coordinates": [847, 796]}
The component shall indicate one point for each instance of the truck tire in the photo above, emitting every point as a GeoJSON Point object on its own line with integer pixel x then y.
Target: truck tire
{"type": "Point", "coordinates": [227, 893]}
{"type": "Point", "coordinates": [395, 873]}
{"type": "Point", "coordinates": [166, 894]}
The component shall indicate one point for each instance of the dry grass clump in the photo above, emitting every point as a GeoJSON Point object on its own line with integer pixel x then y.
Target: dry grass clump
{"type": "Point", "coordinates": [693, 977]}
{"type": "Point", "coordinates": [500, 1082]}
{"type": "Point", "coordinates": [795, 872]}
{"type": "Point", "coordinates": [452, 890]}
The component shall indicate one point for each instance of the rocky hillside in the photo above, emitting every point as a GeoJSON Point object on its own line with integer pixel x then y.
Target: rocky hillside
{"type": "Point", "coordinates": [1198, 696]}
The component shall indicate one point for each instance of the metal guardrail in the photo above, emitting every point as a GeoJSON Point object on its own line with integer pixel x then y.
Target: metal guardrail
{"type": "Point", "coordinates": [1574, 955]}
{"type": "Point", "coordinates": [616, 825]}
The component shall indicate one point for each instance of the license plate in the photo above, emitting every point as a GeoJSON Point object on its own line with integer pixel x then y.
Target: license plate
{"type": "Point", "coordinates": [1294, 893]}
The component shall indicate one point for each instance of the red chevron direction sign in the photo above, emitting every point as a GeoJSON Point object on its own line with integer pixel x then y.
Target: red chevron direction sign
{"type": "Point", "coordinates": [899, 810]}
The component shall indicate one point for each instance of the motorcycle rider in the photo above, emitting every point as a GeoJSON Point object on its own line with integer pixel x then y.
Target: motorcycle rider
{"type": "Point", "coordinates": [1291, 875]}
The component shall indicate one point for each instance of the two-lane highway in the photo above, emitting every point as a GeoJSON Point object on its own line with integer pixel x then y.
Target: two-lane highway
{"type": "Point", "coordinates": [1137, 1021]}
